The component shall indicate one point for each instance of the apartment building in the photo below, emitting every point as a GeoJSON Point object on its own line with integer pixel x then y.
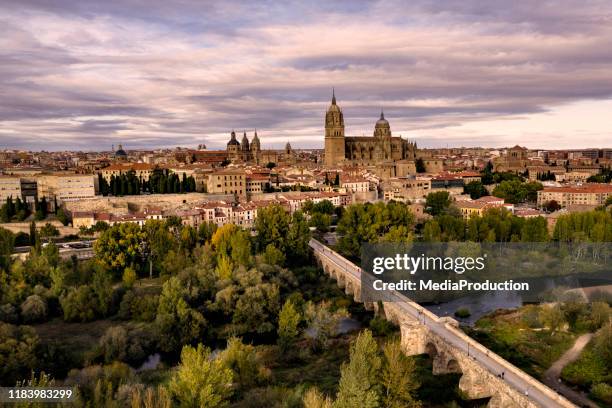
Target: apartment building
{"type": "Point", "coordinates": [406, 188]}
{"type": "Point", "coordinates": [586, 194]}
{"type": "Point", "coordinates": [142, 170]}
{"type": "Point", "coordinates": [228, 182]}
{"type": "Point", "coordinates": [9, 187]}
{"type": "Point", "coordinates": [354, 184]}
{"type": "Point", "coordinates": [477, 207]}
{"type": "Point", "coordinates": [67, 187]}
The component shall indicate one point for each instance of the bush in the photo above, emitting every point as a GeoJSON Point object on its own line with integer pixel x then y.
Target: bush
{"type": "Point", "coordinates": [381, 326]}
{"type": "Point", "coordinates": [602, 392]}
{"type": "Point", "coordinates": [113, 344]}
{"type": "Point", "coordinates": [129, 277]}
{"type": "Point", "coordinates": [8, 313]}
{"type": "Point", "coordinates": [34, 309]}
{"type": "Point", "coordinates": [463, 313]}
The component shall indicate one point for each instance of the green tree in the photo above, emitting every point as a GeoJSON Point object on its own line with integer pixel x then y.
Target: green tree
{"type": "Point", "coordinates": [313, 398]}
{"type": "Point", "coordinates": [359, 378]}
{"type": "Point", "coordinates": [7, 244]}
{"type": "Point", "coordinates": [176, 321]}
{"type": "Point", "coordinates": [475, 189]}
{"type": "Point", "coordinates": [320, 221]}
{"type": "Point", "coordinates": [553, 317]}
{"type": "Point", "coordinates": [120, 246]}
{"type": "Point", "coordinates": [244, 362]}
{"type": "Point", "coordinates": [399, 378]}
{"type": "Point", "coordinates": [438, 202]}
{"type": "Point", "coordinates": [603, 343]}
{"type": "Point", "coordinates": [272, 225]}
{"type": "Point", "coordinates": [201, 381]}
{"type": "Point", "coordinates": [273, 256]}
{"type": "Point", "coordinates": [18, 353]}
{"type": "Point", "coordinates": [49, 230]}
{"type": "Point", "coordinates": [288, 321]}
{"type": "Point", "coordinates": [129, 277]}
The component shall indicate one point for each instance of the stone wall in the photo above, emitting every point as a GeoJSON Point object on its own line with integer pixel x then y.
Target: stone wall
{"type": "Point", "coordinates": [123, 205]}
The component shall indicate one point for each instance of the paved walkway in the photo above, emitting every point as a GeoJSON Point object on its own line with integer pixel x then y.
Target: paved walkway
{"type": "Point", "coordinates": [551, 376]}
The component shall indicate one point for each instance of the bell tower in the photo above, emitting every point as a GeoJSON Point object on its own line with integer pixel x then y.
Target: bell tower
{"type": "Point", "coordinates": [334, 134]}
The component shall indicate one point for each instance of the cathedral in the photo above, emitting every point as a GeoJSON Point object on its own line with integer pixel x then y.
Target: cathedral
{"type": "Point", "coordinates": [251, 152]}
{"type": "Point", "coordinates": [390, 156]}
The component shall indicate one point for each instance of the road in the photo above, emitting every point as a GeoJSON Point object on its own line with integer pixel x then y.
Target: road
{"type": "Point", "coordinates": [516, 378]}
{"type": "Point", "coordinates": [551, 376]}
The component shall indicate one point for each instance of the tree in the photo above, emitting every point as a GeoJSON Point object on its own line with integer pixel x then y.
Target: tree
{"type": "Point", "coordinates": [7, 244]}
{"type": "Point", "coordinates": [256, 309]}
{"type": "Point", "coordinates": [114, 344]}
{"type": "Point", "coordinates": [129, 277]}
{"type": "Point", "coordinates": [271, 165]}
{"type": "Point", "coordinates": [399, 378]}
{"type": "Point", "coordinates": [553, 317]}
{"type": "Point", "coordinates": [436, 203]}
{"type": "Point", "coordinates": [18, 345]}
{"type": "Point", "coordinates": [298, 237]}
{"type": "Point", "coordinates": [201, 381]}
{"type": "Point", "coordinates": [313, 398]}
{"type": "Point", "coordinates": [475, 189]}
{"type": "Point", "coordinates": [515, 191]}
{"type": "Point", "coordinates": [33, 234]}
{"type": "Point", "coordinates": [176, 321]}
{"type": "Point", "coordinates": [62, 216]}
{"type": "Point", "coordinates": [603, 343]}
{"type": "Point", "coordinates": [49, 230]}
{"type": "Point", "coordinates": [320, 221]}
{"type": "Point", "coordinates": [242, 359]}
{"type": "Point", "coordinates": [120, 246]}
{"type": "Point", "coordinates": [273, 256]}
{"type": "Point", "coordinates": [359, 378]}
{"type": "Point", "coordinates": [33, 309]}
{"type": "Point", "coordinates": [288, 321]}
{"type": "Point", "coordinates": [551, 206]}
{"type": "Point", "coordinates": [272, 225]}
{"type": "Point", "coordinates": [322, 322]}
{"type": "Point", "coordinates": [534, 230]}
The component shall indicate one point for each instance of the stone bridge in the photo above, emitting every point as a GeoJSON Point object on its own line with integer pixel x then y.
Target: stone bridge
{"type": "Point", "coordinates": [484, 374]}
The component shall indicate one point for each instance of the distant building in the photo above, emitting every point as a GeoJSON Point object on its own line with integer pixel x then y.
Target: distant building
{"type": "Point", "coordinates": [382, 151]}
{"type": "Point", "coordinates": [67, 187]}
{"type": "Point", "coordinates": [586, 194]}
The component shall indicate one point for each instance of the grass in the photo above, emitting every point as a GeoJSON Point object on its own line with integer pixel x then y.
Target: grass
{"type": "Point", "coordinates": [532, 350]}
{"type": "Point", "coordinates": [587, 370]}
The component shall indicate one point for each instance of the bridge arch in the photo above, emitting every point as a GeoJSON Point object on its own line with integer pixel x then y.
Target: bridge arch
{"type": "Point", "coordinates": [453, 366]}
{"type": "Point", "coordinates": [431, 350]}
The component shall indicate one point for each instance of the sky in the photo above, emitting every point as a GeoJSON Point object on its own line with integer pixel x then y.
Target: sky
{"type": "Point", "coordinates": [87, 74]}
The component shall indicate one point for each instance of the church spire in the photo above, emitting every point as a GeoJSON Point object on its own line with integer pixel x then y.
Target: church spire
{"type": "Point", "coordinates": [382, 114]}
{"type": "Point", "coordinates": [333, 96]}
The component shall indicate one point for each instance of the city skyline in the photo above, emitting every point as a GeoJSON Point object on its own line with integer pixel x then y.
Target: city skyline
{"type": "Point", "coordinates": [84, 76]}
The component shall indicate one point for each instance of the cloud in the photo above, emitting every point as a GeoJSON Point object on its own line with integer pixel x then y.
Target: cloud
{"type": "Point", "coordinates": [85, 74]}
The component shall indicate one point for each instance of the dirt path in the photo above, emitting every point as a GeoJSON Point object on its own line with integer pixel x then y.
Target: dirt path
{"type": "Point", "coordinates": [551, 376]}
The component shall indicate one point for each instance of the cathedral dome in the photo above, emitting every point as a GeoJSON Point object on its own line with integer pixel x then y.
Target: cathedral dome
{"type": "Point", "coordinates": [233, 141]}
{"type": "Point", "coordinates": [382, 127]}
{"type": "Point", "coordinates": [255, 145]}
{"type": "Point", "coordinates": [382, 122]}
{"type": "Point", "coordinates": [245, 142]}
{"type": "Point", "coordinates": [120, 153]}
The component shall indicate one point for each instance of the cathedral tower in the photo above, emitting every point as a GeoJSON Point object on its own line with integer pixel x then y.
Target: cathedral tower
{"type": "Point", "coordinates": [334, 134]}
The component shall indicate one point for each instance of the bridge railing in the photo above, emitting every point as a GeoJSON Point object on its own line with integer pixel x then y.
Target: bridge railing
{"type": "Point", "coordinates": [405, 302]}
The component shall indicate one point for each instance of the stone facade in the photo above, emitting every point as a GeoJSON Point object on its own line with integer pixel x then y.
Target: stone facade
{"type": "Point", "coordinates": [247, 151]}
{"type": "Point", "coordinates": [392, 156]}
